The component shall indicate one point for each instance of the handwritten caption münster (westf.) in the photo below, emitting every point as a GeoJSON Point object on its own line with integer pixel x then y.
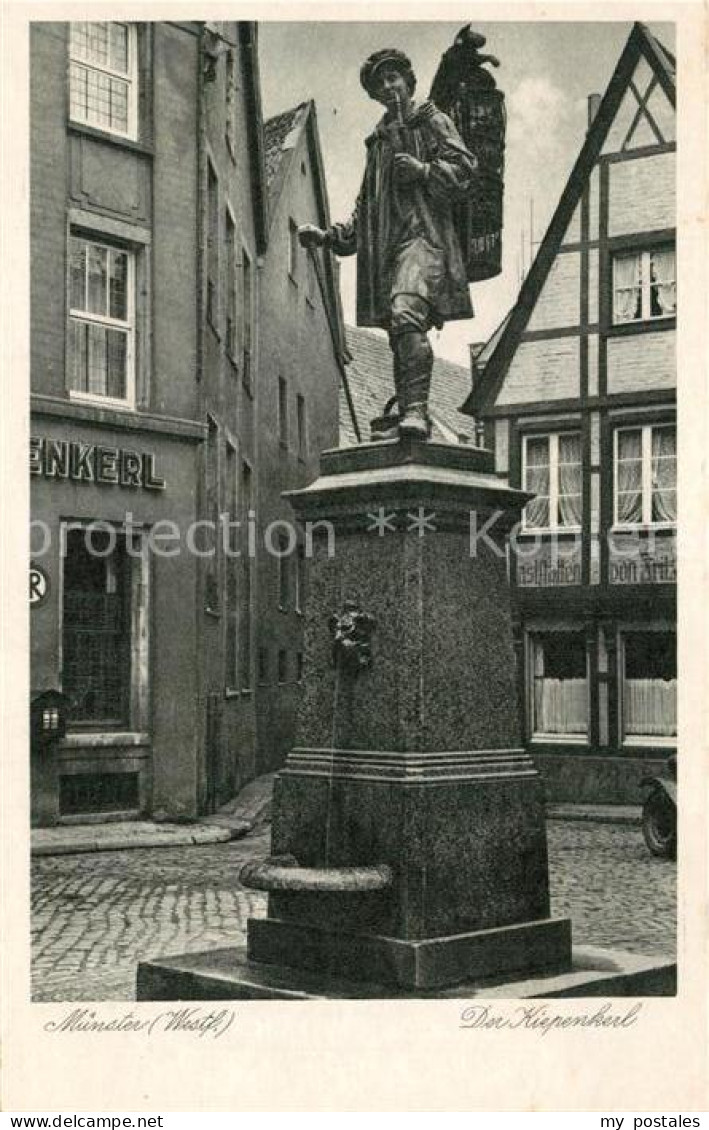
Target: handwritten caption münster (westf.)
{"type": "Point", "coordinates": [540, 1019]}
{"type": "Point", "coordinates": [195, 1021]}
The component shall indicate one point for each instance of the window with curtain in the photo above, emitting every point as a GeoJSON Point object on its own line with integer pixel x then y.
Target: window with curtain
{"type": "Point", "coordinates": [646, 475]}
{"type": "Point", "coordinates": [101, 321]}
{"type": "Point", "coordinates": [649, 684]}
{"type": "Point", "coordinates": [553, 472]}
{"type": "Point", "coordinates": [103, 76]}
{"type": "Point", "coordinates": [559, 690]}
{"type": "Point", "coordinates": [644, 285]}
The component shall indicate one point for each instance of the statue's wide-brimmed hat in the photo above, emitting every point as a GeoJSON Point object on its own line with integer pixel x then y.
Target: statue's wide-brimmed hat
{"type": "Point", "coordinates": [387, 57]}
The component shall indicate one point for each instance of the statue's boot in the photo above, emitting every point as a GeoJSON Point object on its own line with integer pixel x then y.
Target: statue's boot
{"type": "Point", "coordinates": [416, 362]}
{"type": "Point", "coordinates": [386, 426]}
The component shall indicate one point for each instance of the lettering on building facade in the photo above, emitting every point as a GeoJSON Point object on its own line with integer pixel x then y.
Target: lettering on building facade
{"type": "Point", "coordinates": [93, 463]}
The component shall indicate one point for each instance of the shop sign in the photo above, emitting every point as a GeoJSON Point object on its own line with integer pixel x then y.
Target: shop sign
{"type": "Point", "coordinates": [93, 463]}
{"type": "Point", "coordinates": [549, 564]}
{"type": "Point", "coordinates": [39, 585]}
{"type": "Point", "coordinates": [640, 559]}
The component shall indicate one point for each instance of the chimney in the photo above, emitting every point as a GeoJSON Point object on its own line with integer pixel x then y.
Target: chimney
{"type": "Point", "coordinates": [594, 101]}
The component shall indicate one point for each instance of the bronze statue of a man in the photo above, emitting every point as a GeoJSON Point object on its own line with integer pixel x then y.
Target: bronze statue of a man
{"type": "Point", "coordinates": [410, 271]}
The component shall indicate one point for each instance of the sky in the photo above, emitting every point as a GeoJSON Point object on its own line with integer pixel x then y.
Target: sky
{"type": "Point", "coordinates": [547, 70]}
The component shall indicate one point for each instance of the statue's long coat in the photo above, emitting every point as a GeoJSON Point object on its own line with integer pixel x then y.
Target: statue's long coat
{"type": "Point", "coordinates": [404, 235]}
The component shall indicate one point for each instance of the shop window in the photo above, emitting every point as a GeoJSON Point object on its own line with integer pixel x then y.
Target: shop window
{"type": "Point", "coordinates": [644, 285]}
{"type": "Point", "coordinates": [645, 461]}
{"type": "Point", "coordinates": [103, 77]}
{"type": "Point", "coordinates": [649, 684]}
{"type": "Point", "coordinates": [101, 344]}
{"type": "Point", "coordinates": [559, 684]}
{"type": "Point", "coordinates": [552, 471]}
{"type": "Point", "coordinates": [97, 628]}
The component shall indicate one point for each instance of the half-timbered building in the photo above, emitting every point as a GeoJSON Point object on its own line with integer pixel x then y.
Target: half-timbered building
{"type": "Point", "coordinates": [577, 390]}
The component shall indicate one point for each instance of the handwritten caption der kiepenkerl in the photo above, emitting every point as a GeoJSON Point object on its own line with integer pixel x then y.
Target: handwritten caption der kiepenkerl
{"type": "Point", "coordinates": [192, 1021]}
{"type": "Point", "coordinates": [542, 1019]}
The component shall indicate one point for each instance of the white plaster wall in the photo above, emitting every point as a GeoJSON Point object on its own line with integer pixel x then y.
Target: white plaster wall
{"type": "Point", "coordinates": [593, 203]}
{"type": "Point", "coordinates": [642, 361]}
{"type": "Point", "coordinates": [642, 194]}
{"type": "Point", "coordinates": [542, 370]}
{"type": "Point", "coordinates": [593, 285]}
{"type": "Point", "coordinates": [559, 301]}
{"type": "Point", "coordinates": [573, 231]}
{"type": "Point", "coordinates": [502, 446]}
{"type": "Point", "coordinates": [593, 364]}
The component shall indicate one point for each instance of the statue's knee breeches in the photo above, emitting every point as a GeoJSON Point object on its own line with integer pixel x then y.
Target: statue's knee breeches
{"type": "Point", "coordinates": [409, 314]}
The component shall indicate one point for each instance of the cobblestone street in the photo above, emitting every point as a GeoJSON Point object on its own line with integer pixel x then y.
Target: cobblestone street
{"type": "Point", "coordinates": [96, 915]}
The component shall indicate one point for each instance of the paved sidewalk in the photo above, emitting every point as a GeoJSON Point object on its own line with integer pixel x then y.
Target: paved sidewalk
{"type": "Point", "coordinates": [73, 838]}
{"type": "Point", "coordinates": [249, 812]}
{"type": "Point", "coordinates": [251, 806]}
{"type": "Point", "coordinates": [596, 813]}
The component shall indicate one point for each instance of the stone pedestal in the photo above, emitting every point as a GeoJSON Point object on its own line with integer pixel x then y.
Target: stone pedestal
{"type": "Point", "coordinates": [414, 761]}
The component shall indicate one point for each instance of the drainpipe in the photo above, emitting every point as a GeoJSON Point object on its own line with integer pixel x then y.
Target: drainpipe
{"type": "Point", "coordinates": [200, 149]}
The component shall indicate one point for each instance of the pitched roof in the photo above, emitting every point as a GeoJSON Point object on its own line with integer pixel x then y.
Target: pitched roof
{"type": "Point", "coordinates": [369, 377]}
{"type": "Point", "coordinates": [279, 133]}
{"type": "Point", "coordinates": [503, 344]}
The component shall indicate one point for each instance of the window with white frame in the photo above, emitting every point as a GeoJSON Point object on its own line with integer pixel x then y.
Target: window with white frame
{"type": "Point", "coordinates": [649, 684]}
{"type": "Point", "coordinates": [644, 285]}
{"type": "Point", "coordinates": [101, 345]}
{"type": "Point", "coordinates": [645, 461]}
{"type": "Point", "coordinates": [552, 471]}
{"type": "Point", "coordinates": [103, 76]}
{"type": "Point", "coordinates": [559, 684]}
